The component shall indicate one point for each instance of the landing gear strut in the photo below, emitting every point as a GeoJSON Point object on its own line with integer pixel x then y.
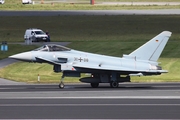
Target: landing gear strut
{"type": "Point", "coordinates": [114, 80]}
{"type": "Point", "coordinates": [61, 84]}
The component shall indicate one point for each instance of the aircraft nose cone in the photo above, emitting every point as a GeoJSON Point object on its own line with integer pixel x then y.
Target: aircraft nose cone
{"type": "Point", "coordinates": [26, 56]}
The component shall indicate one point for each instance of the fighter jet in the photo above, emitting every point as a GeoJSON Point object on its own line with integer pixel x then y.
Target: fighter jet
{"type": "Point", "coordinates": [102, 68]}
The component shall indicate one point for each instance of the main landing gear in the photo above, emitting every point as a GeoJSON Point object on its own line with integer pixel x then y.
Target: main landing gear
{"type": "Point", "coordinates": [114, 84]}
{"type": "Point", "coordinates": [113, 79]}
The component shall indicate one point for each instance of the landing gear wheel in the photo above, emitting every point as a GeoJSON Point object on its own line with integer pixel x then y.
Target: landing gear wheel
{"type": "Point", "coordinates": [114, 84]}
{"type": "Point", "coordinates": [94, 85]}
{"type": "Point", "coordinates": [61, 85]}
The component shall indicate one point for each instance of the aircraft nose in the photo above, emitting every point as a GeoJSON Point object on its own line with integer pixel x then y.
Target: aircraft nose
{"type": "Point", "coordinates": [25, 56]}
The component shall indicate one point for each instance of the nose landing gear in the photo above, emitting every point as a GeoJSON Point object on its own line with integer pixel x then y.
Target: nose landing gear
{"type": "Point", "coordinates": [61, 84]}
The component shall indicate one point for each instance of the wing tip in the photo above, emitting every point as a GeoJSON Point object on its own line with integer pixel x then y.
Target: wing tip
{"type": "Point", "coordinates": [167, 33]}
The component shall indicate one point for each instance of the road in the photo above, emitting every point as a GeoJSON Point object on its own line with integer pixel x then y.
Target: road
{"type": "Point", "coordinates": [140, 3]}
{"type": "Point", "coordinates": [91, 12]}
{"type": "Point", "coordinates": [109, 3]}
{"type": "Point", "coordinates": [79, 101]}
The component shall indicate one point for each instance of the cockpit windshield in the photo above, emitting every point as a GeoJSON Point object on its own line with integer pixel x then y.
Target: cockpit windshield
{"type": "Point", "coordinates": [52, 48]}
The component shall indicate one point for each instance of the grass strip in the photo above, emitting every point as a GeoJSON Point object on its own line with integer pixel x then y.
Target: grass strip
{"type": "Point", "coordinates": [108, 35]}
{"type": "Point", "coordinates": [83, 5]}
{"type": "Point", "coordinates": [91, 28]}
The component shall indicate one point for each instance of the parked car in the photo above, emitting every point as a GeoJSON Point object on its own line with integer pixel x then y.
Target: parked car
{"type": "Point", "coordinates": [27, 2]}
{"type": "Point", "coordinates": [36, 35]}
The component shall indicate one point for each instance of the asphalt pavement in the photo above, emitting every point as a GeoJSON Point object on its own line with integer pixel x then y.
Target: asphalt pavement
{"type": "Point", "coordinates": [91, 12]}
{"type": "Point", "coordinates": [140, 3]}
{"type": "Point", "coordinates": [80, 101]}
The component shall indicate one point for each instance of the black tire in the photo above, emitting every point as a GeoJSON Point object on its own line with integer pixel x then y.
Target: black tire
{"type": "Point", "coordinates": [94, 85]}
{"type": "Point", "coordinates": [114, 84]}
{"type": "Point", "coordinates": [61, 85]}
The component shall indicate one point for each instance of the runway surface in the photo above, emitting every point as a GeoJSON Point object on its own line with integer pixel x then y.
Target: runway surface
{"type": "Point", "coordinates": [91, 12]}
{"type": "Point", "coordinates": [80, 101]}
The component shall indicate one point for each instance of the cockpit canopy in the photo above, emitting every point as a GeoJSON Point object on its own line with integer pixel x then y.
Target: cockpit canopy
{"type": "Point", "coordinates": [52, 48]}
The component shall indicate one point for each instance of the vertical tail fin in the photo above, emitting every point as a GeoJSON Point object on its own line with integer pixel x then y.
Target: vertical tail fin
{"type": "Point", "coordinates": [152, 49]}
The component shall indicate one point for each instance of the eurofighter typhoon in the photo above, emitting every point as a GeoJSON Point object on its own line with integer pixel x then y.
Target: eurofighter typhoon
{"type": "Point", "coordinates": [102, 68]}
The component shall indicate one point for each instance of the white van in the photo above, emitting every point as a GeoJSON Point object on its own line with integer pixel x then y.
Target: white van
{"type": "Point", "coordinates": [2, 1]}
{"type": "Point", "coordinates": [36, 35]}
{"type": "Point", "coordinates": [27, 2]}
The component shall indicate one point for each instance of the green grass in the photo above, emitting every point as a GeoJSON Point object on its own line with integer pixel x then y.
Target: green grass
{"type": "Point", "coordinates": [118, 48]}
{"type": "Point", "coordinates": [82, 5]}
{"type": "Point", "coordinates": [28, 72]}
{"type": "Point", "coordinates": [109, 35]}
{"type": "Point", "coordinates": [19, 1]}
{"type": "Point", "coordinates": [19, 72]}
{"type": "Point", "coordinates": [68, 6]}
{"type": "Point", "coordinates": [90, 28]}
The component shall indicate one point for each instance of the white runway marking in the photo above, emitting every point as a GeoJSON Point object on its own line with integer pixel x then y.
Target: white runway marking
{"type": "Point", "coordinates": [40, 105]}
{"type": "Point", "coordinates": [99, 97]}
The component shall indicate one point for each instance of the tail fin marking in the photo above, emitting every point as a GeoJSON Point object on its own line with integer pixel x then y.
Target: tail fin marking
{"type": "Point", "coordinates": [152, 49]}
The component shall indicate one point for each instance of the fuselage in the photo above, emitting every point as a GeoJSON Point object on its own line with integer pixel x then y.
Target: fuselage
{"type": "Point", "coordinates": [88, 59]}
{"type": "Point", "coordinates": [87, 62]}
